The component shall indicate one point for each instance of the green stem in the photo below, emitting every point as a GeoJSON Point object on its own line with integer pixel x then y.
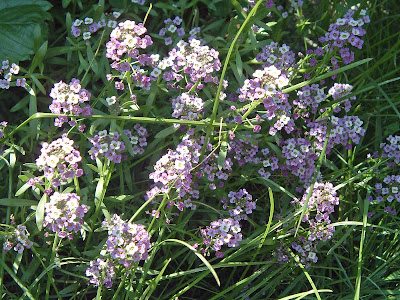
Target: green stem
{"type": "Point", "coordinates": [105, 177]}
{"type": "Point", "coordinates": [50, 274]}
{"type": "Point", "coordinates": [221, 80]}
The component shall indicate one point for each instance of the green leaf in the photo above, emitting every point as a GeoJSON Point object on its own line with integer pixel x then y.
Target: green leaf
{"type": "Point", "coordinates": [17, 202]}
{"type": "Point", "coordinates": [222, 154]}
{"type": "Point", "coordinates": [40, 212]}
{"type": "Point", "coordinates": [38, 58]}
{"type": "Point", "coordinates": [165, 132]}
{"type": "Point", "coordinates": [19, 19]}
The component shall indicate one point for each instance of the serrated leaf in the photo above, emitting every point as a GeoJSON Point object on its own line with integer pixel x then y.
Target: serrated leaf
{"type": "Point", "coordinates": [18, 21]}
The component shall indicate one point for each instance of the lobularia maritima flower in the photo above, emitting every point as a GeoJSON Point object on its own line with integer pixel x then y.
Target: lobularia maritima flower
{"type": "Point", "coordinates": [69, 99]}
{"type": "Point", "coordinates": [18, 240]}
{"type": "Point", "coordinates": [64, 215]}
{"type": "Point", "coordinates": [59, 161]}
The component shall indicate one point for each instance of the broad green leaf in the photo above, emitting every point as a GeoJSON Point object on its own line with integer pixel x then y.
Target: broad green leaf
{"type": "Point", "coordinates": [19, 19]}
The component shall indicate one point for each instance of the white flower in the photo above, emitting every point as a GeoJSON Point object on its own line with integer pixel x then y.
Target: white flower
{"type": "Point", "coordinates": [112, 24]}
{"type": "Point", "coordinates": [102, 133]}
{"type": "Point", "coordinates": [130, 41]}
{"type": "Point", "coordinates": [179, 164]}
{"type": "Point", "coordinates": [134, 140]}
{"type": "Point", "coordinates": [156, 72]}
{"type": "Point", "coordinates": [111, 100]}
{"type": "Point", "coordinates": [88, 21]}
{"type": "Point", "coordinates": [103, 148]}
{"type": "Point", "coordinates": [86, 35]}
{"type": "Point", "coordinates": [52, 161]}
{"type": "Point", "coordinates": [284, 48]}
{"type": "Point", "coordinates": [258, 74]}
{"type": "Point", "coordinates": [155, 57]}
{"type": "Point", "coordinates": [172, 28]}
{"type": "Point", "coordinates": [77, 22]}
{"type": "Point", "coordinates": [73, 98]}
{"type": "Point", "coordinates": [224, 227]}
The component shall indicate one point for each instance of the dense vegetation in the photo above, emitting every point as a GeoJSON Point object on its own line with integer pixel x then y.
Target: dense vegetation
{"type": "Point", "coordinates": [204, 149]}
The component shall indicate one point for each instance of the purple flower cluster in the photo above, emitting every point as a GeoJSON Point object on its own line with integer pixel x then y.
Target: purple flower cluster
{"type": "Point", "coordinates": [219, 233]}
{"type": "Point", "coordinates": [187, 107]}
{"type": "Point", "coordinates": [171, 29]}
{"type": "Point", "coordinates": [87, 26]}
{"type": "Point", "coordinates": [300, 157]}
{"type": "Point", "coordinates": [59, 161]}
{"type": "Point", "coordinates": [321, 205]}
{"type": "Point", "coordinates": [102, 272]}
{"type": "Point", "coordinates": [264, 84]}
{"type": "Point", "coordinates": [126, 42]}
{"type": "Point", "coordinates": [64, 215]}
{"type": "Point", "coordinates": [109, 145]}
{"type": "Point", "coordinates": [305, 252]}
{"type": "Point", "coordinates": [8, 73]}
{"type": "Point", "coordinates": [294, 6]}
{"type": "Point", "coordinates": [67, 99]}
{"type": "Point", "coordinates": [310, 97]}
{"type": "Point", "coordinates": [346, 31]}
{"type": "Point", "coordinates": [126, 241]}
{"type": "Point", "coordinates": [269, 3]}
{"type": "Point", "coordinates": [244, 150]}
{"type": "Point", "coordinates": [341, 90]}
{"type": "Point", "coordinates": [3, 126]}
{"type": "Point", "coordinates": [391, 149]}
{"type": "Point", "coordinates": [174, 170]}
{"type": "Point", "coordinates": [241, 202]}
{"type": "Point", "coordinates": [137, 137]}
{"type": "Point", "coordinates": [265, 87]}
{"type": "Point", "coordinates": [343, 131]}
{"type": "Point", "coordinates": [389, 189]}
{"type": "Point", "coordinates": [19, 239]}
{"type": "Point", "coordinates": [268, 161]}
{"type": "Point", "coordinates": [196, 62]}
{"type": "Point", "coordinates": [211, 172]}
{"type": "Point", "coordinates": [280, 57]}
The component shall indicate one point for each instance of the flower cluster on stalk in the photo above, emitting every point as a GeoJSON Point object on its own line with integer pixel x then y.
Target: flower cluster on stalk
{"type": "Point", "coordinates": [111, 146]}
{"type": "Point", "coordinates": [59, 161]}
{"type": "Point", "coordinates": [240, 203]}
{"type": "Point", "coordinates": [69, 99]}
{"type": "Point", "coordinates": [127, 41]}
{"type": "Point", "coordinates": [190, 60]}
{"type": "Point", "coordinates": [64, 214]}
{"type": "Point", "coordinates": [8, 72]}
{"type": "Point", "coordinates": [87, 27]}
{"type": "Point", "coordinates": [320, 205]}
{"type": "Point", "coordinates": [344, 32]}
{"type": "Point", "coordinates": [127, 243]}
{"type": "Point", "coordinates": [172, 28]}
{"type": "Point", "coordinates": [18, 240]}
{"type": "Point", "coordinates": [173, 170]}
{"type": "Point", "coordinates": [102, 272]}
{"type": "Point", "coordinates": [391, 148]}
{"type": "Point", "coordinates": [219, 233]}
{"type": "Point", "coordinates": [388, 191]}
{"type": "Point", "coordinates": [187, 107]}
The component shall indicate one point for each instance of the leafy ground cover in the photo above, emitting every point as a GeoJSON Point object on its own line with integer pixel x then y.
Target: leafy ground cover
{"type": "Point", "coordinates": [199, 149]}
